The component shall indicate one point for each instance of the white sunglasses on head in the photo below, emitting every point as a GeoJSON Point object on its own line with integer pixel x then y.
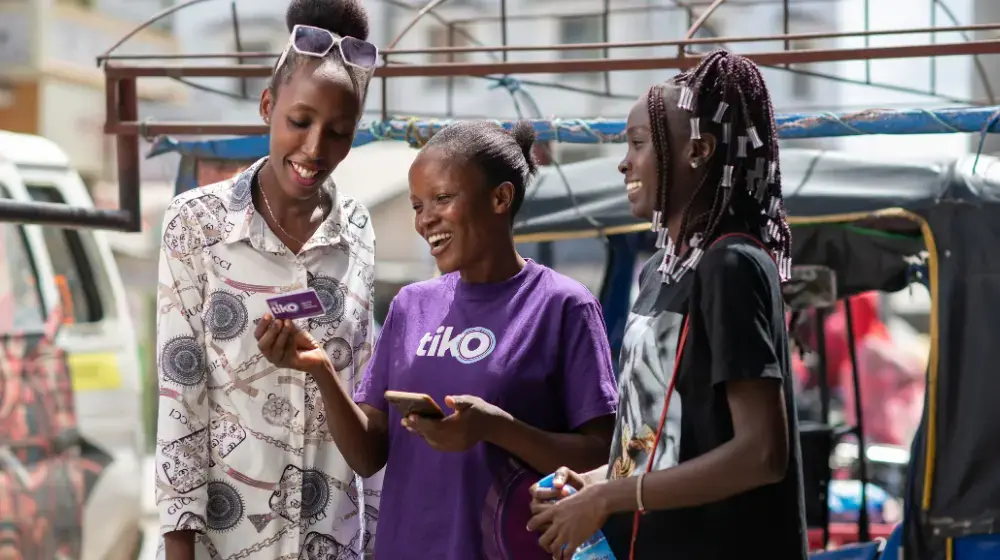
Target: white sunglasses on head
{"type": "Point", "coordinates": [316, 42]}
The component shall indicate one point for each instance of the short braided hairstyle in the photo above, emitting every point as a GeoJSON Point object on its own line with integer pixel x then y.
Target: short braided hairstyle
{"type": "Point", "coordinates": [500, 155]}
{"type": "Point", "coordinates": [726, 96]}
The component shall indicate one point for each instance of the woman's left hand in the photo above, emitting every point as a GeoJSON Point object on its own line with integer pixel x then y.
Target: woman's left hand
{"type": "Point", "coordinates": [467, 426]}
{"type": "Point", "coordinates": [570, 521]}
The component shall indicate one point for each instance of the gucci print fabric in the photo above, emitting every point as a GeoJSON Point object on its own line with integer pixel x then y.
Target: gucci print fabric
{"type": "Point", "coordinates": [243, 454]}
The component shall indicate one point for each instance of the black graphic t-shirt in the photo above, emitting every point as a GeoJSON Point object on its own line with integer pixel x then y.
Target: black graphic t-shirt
{"type": "Point", "coordinates": [736, 331]}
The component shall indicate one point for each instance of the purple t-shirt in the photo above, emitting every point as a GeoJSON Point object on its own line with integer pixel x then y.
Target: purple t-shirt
{"type": "Point", "coordinates": [535, 346]}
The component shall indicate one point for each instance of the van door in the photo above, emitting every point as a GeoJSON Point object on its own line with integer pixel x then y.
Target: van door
{"type": "Point", "coordinates": [97, 331]}
{"type": "Point", "coordinates": [44, 479]}
{"type": "Point", "coordinates": [102, 354]}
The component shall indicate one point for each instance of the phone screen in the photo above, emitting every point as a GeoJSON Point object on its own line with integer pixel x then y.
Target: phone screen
{"type": "Point", "coordinates": [421, 409]}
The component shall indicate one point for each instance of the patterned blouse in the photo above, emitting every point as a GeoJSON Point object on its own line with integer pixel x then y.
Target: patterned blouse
{"type": "Point", "coordinates": [243, 453]}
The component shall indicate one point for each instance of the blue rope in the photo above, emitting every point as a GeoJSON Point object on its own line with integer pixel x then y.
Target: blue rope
{"type": "Point", "coordinates": [416, 131]}
{"type": "Point", "coordinates": [982, 137]}
{"type": "Point", "coordinates": [510, 83]}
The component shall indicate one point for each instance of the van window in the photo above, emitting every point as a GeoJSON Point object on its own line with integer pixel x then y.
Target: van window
{"type": "Point", "coordinates": [78, 279]}
{"type": "Point", "coordinates": [20, 297]}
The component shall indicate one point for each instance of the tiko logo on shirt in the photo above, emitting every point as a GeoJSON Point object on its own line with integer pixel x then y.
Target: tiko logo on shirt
{"type": "Point", "coordinates": [469, 346]}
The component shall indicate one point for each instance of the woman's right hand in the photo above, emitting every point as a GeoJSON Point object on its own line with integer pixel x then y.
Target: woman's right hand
{"type": "Point", "coordinates": [543, 498]}
{"type": "Point", "coordinates": [562, 478]}
{"type": "Point", "coordinates": [285, 346]}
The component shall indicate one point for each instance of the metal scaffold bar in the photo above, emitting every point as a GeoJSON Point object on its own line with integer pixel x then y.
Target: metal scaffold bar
{"type": "Point", "coordinates": [444, 69]}
{"type": "Point", "coordinates": [687, 42]}
{"type": "Point", "coordinates": [597, 131]}
{"type": "Point", "coordinates": [122, 101]}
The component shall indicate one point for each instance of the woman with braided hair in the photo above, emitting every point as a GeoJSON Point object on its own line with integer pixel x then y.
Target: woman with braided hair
{"type": "Point", "coordinates": [705, 461]}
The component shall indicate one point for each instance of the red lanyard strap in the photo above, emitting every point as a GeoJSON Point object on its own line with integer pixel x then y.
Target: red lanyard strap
{"type": "Point", "coordinates": [670, 392]}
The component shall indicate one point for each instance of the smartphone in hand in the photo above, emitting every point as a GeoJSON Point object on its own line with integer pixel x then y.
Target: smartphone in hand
{"type": "Point", "coordinates": [420, 404]}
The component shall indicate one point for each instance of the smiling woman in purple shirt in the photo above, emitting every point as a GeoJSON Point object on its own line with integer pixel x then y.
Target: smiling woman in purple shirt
{"type": "Point", "coordinates": [516, 351]}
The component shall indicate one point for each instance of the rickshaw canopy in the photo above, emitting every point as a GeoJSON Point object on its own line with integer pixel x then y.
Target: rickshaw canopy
{"type": "Point", "coordinates": [815, 183]}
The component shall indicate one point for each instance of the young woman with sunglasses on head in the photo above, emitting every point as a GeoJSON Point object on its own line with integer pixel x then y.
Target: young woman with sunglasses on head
{"type": "Point", "coordinates": [706, 461]}
{"type": "Point", "coordinates": [516, 352]}
{"type": "Point", "coordinates": [246, 466]}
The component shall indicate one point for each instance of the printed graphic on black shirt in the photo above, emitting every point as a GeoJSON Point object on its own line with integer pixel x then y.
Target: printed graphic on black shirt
{"type": "Point", "coordinates": [736, 332]}
{"type": "Point", "coordinates": [647, 363]}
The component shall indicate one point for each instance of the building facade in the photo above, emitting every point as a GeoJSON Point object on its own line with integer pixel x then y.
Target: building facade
{"type": "Point", "coordinates": [50, 84]}
{"type": "Point", "coordinates": [952, 79]}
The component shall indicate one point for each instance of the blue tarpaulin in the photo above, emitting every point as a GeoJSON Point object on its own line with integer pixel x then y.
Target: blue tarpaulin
{"type": "Point", "coordinates": [416, 132]}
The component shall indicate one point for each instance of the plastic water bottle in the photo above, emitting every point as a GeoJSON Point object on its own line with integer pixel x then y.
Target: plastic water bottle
{"type": "Point", "coordinates": [594, 548]}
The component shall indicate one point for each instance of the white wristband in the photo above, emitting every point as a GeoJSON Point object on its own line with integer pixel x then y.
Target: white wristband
{"type": "Point", "coordinates": [638, 493]}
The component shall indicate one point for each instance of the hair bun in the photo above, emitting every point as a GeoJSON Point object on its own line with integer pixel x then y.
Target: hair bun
{"type": "Point", "coordinates": [347, 18]}
{"type": "Point", "coordinates": [524, 135]}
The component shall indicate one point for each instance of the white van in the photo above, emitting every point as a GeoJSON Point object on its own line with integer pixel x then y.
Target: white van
{"type": "Point", "coordinates": [71, 436]}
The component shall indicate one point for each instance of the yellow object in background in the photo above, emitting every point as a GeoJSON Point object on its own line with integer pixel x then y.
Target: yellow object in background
{"type": "Point", "coordinates": [94, 371]}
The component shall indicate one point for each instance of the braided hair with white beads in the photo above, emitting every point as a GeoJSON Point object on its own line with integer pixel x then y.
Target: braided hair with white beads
{"type": "Point", "coordinates": [724, 95]}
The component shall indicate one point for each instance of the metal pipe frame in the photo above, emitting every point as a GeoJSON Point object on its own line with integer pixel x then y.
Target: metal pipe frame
{"type": "Point", "coordinates": [772, 58]}
{"type": "Point", "coordinates": [702, 19]}
{"type": "Point", "coordinates": [122, 115]}
{"type": "Point", "coordinates": [691, 41]}
{"type": "Point", "coordinates": [686, 6]}
{"type": "Point", "coordinates": [122, 100]}
{"type": "Point", "coordinates": [116, 125]}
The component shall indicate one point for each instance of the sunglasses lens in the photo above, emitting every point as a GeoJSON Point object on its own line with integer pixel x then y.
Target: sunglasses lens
{"type": "Point", "coordinates": [358, 52]}
{"type": "Point", "coordinates": [312, 40]}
